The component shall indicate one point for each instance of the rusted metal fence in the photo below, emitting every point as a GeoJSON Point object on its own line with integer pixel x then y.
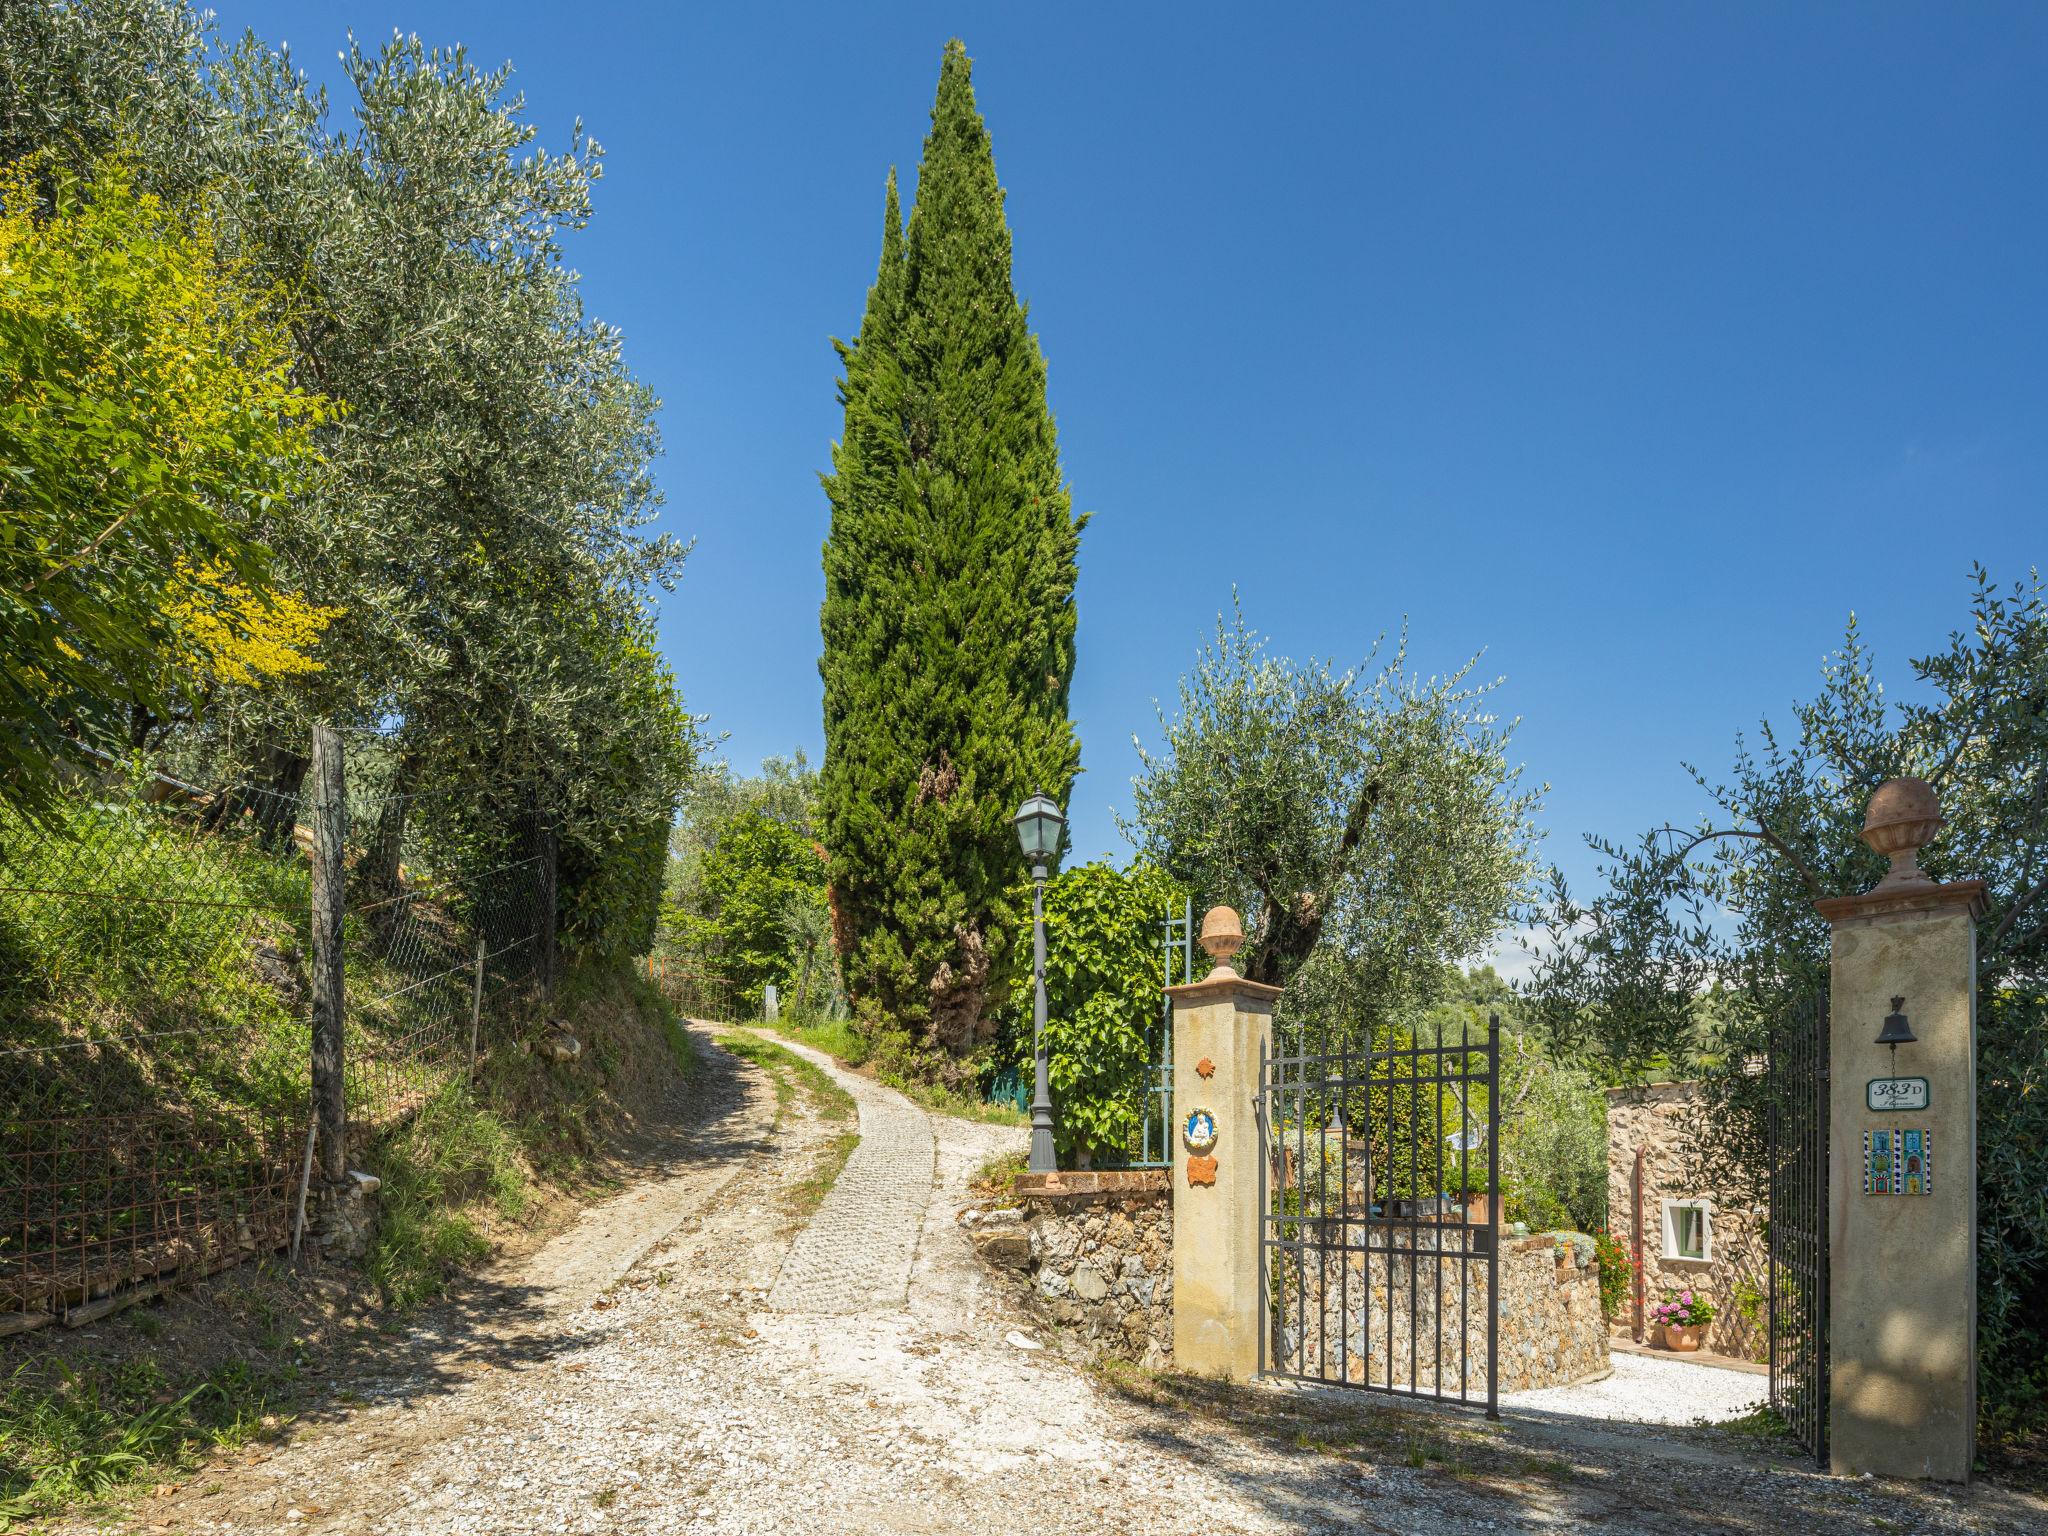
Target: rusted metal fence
{"type": "Point", "coordinates": [157, 978]}
{"type": "Point", "coordinates": [691, 991]}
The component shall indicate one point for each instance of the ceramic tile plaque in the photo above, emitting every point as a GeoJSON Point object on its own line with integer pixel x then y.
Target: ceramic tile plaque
{"type": "Point", "coordinates": [1898, 1162]}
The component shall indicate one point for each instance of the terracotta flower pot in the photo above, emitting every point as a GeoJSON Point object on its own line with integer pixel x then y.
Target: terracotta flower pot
{"type": "Point", "coordinates": [1683, 1340]}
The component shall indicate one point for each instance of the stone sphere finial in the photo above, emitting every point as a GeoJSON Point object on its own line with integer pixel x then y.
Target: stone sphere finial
{"type": "Point", "coordinates": [1902, 818]}
{"type": "Point", "coordinates": [1222, 936]}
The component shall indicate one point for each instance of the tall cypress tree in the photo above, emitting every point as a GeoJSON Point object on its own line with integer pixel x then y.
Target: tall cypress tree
{"type": "Point", "coordinates": [949, 602]}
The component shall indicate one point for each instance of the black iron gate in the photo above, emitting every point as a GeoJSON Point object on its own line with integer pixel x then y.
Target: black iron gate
{"type": "Point", "coordinates": [1380, 1215]}
{"type": "Point", "coordinates": [1796, 1129]}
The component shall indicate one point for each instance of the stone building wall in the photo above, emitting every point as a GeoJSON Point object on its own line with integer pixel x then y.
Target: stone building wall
{"type": "Point", "coordinates": [1092, 1252]}
{"type": "Point", "coordinates": [1658, 1118]}
{"type": "Point", "coordinates": [1419, 1321]}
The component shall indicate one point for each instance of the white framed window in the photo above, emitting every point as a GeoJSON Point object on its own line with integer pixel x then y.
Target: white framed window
{"type": "Point", "coordinates": [1689, 1230]}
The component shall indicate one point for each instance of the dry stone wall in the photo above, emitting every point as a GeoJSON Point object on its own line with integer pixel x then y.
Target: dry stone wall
{"type": "Point", "coordinates": [1415, 1317]}
{"type": "Point", "coordinates": [1094, 1257]}
{"type": "Point", "coordinates": [1092, 1253]}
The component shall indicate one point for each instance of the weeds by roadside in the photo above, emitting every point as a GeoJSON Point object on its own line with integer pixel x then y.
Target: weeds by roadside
{"type": "Point", "coordinates": [996, 1179]}
{"type": "Point", "coordinates": [840, 1040]}
{"type": "Point", "coordinates": [70, 1436]}
{"type": "Point", "coordinates": [792, 1075]}
{"type": "Point", "coordinates": [791, 1072]}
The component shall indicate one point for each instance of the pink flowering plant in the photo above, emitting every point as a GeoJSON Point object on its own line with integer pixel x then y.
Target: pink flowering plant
{"type": "Point", "coordinates": [1685, 1308]}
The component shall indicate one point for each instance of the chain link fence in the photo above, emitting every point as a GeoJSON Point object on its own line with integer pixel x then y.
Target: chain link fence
{"type": "Point", "coordinates": [156, 961]}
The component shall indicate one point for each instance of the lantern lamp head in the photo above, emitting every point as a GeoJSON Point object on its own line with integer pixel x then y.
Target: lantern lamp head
{"type": "Point", "coordinates": [1896, 1031]}
{"type": "Point", "coordinates": [1039, 823]}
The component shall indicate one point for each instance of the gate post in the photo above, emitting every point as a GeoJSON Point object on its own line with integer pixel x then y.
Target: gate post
{"type": "Point", "coordinates": [1902, 1180]}
{"type": "Point", "coordinates": [1222, 1031]}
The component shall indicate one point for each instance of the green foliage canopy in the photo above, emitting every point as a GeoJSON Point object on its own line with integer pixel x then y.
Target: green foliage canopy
{"type": "Point", "coordinates": [1105, 966]}
{"type": "Point", "coordinates": [148, 422]}
{"type": "Point", "coordinates": [1627, 977]}
{"type": "Point", "coordinates": [1370, 828]}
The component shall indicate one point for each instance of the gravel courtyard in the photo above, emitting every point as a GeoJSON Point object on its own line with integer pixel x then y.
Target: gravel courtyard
{"type": "Point", "coordinates": [688, 1359]}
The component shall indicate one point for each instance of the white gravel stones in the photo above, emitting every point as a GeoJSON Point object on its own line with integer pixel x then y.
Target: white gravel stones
{"type": "Point", "coordinates": [855, 1255]}
{"type": "Point", "coordinates": [1647, 1390]}
{"type": "Point", "coordinates": [679, 1403]}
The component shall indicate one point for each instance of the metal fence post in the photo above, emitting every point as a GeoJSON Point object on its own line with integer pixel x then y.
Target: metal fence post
{"type": "Point", "coordinates": [476, 1006]}
{"type": "Point", "coordinates": [330, 827]}
{"type": "Point", "coordinates": [1493, 1204]}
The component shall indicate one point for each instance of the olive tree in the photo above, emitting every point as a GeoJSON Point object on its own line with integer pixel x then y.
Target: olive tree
{"type": "Point", "coordinates": [1703, 941]}
{"type": "Point", "coordinates": [1367, 822]}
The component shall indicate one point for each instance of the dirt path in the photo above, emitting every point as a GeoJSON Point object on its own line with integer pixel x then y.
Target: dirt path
{"type": "Point", "coordinates": [681, 1361]}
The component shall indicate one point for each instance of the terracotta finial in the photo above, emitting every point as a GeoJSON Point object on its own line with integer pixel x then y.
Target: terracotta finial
{"type": "Point", "coordinates": [1222, 938]}
{"type": "Point", "coordinates": [1902, 818]}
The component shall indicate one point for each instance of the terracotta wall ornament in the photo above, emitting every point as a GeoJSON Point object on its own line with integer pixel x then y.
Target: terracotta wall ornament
{"type": "Point", "coordinates": [1201, 1170]}
{"type": "Point", "coordinates": [1205, 1068]}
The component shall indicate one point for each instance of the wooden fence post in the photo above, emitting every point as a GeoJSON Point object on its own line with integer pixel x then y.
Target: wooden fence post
{"type": "Point", "coordinates": [330, 827]}
{"type": "Point", "coordinates": [549, 853]}
{"type": "Point", "coordinates": [476, 1006]}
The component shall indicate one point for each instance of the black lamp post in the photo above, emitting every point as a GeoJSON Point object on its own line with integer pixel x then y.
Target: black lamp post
{"type": "Point", "coordinates": [1039, 824]}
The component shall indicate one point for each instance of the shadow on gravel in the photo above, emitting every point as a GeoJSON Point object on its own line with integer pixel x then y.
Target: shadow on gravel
{"type": "Point", "coordinates": [488, 1324]}
{"type": "Point", "coordinates": [1373, 1465]}
{"type": "Point", "coordinates": [312, 1351]}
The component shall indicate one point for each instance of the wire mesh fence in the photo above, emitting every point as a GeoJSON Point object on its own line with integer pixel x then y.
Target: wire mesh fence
{"type": "Point", "coordinates": [441, 955]}
{"type": "Point", "coordinates": [156, 960]}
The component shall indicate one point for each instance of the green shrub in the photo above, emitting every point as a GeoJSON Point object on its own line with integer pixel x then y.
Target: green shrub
{"type": "Point", "coordinates": [69, 1437]}
{"type": "Point", "coordinates": [1103, 974]}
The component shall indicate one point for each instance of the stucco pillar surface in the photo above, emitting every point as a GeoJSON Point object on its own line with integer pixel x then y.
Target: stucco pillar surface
{"type": "Point", "coordinates": [1222, 1022]}
{"type": "Point", "coordinates": [1903, 1276]}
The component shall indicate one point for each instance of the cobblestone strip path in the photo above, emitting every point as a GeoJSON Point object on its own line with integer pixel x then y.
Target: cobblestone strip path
{"type": "Point", "coordinates": [857, 1252]}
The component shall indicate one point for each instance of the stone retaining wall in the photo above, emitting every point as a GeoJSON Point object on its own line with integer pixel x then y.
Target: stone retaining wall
{"type": "Point", "coordinates": [1092, 1252]}
{"type": "Point", "coordinates": [1416, 1316]}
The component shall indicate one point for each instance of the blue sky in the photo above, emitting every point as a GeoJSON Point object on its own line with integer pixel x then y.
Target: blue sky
{"type": "Point", "coordinates": [1635, 344]}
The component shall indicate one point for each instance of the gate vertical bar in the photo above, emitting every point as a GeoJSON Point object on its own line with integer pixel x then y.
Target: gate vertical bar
{"type": "Point", "coordinates": [1493, 1216]}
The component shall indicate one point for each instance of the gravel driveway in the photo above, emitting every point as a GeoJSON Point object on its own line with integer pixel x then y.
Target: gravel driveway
{"type": "Point", "coordinates": [1646, 1390]}
{"type": "Point", "coordinates": [659, 1368]}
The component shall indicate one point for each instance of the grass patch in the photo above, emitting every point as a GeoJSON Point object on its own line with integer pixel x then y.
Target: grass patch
{"type": "Point", "coordinates": [803, 1198]}
{"type": "Point", "coordinates": [792, 1075]}
{"type": "Point", "coordinates": [960, 1105]}
{"type": "Point", "coordinates": [451, 1171]}
{"type": "Point", "coordinates": [74, 1437]}
{"type": "Point", "coordinates": [1762, 1422]}
{"type": "Point", "coordinates": [841, 1040]}
{"type": "Point", "coordinates": [837, 1038]}
{"type": "Point", "coordinates": [791, 1072]}
{"type": "Point", "coordinates": [996, 1179]}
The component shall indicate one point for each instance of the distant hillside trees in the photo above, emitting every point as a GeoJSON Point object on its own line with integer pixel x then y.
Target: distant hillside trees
{"type": "Point", "coordinates": [949, 616]}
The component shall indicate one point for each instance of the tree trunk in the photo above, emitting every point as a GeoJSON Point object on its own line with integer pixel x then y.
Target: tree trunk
{"type": "Point", "coordinates": [377, 874]}
{"type": "Point", "coordinates": [328, 815]}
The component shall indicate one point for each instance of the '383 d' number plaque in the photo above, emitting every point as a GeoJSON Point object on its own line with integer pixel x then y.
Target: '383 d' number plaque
{"type": "Point", "coordinates": [1883, 1093]}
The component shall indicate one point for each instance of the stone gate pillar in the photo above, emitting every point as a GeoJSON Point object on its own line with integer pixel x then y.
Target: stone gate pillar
{"type": "Point", "coordinates": [1221, 1026]}
{"type": "Point", "coordinates": [1902, 1175]}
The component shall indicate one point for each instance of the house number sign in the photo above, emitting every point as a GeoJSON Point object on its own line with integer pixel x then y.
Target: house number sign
{"type": "Point", "coordinates": [1896, 1093]}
